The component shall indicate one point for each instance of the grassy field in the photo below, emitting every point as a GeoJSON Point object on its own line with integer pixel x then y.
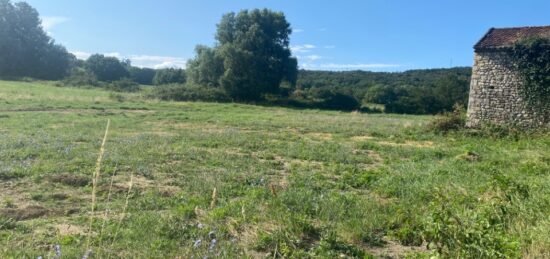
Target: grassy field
{"type": "Point", "coordinates": [232, 180]}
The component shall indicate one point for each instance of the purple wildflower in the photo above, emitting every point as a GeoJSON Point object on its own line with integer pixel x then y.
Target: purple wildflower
{"type": "Point", "coordinates": [57, 249]}
{"type": "Point", "coordinates": [213, 244]}
{"type": "Point", "coordinates": [197, 243]}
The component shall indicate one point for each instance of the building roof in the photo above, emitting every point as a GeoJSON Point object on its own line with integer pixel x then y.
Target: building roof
{"type": "Point", "coordinates": [497, 38]}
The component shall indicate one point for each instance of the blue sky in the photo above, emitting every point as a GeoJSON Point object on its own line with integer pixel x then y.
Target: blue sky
{"type": "Point", "coordinates": [377, 35]}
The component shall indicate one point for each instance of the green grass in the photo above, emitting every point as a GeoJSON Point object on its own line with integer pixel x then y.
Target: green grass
{"type": "Point", "coordinates": [289, 183]}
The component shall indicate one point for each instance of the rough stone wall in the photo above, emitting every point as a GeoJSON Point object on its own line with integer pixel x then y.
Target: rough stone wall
{"type": "Point", "coordinates": [494, 96]}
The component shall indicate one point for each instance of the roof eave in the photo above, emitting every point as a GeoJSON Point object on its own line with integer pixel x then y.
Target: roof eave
{"type": "Point", "coordinates": [476, 46]}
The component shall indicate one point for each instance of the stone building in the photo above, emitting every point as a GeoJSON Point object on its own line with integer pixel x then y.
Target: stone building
{"type": "Point", "coordinates": [494, 96]}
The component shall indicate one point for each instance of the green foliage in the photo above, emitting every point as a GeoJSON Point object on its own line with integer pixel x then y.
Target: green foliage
{"type": "Point", "coordinates": [142, 76]}
{"type": "Point", "coordinates": [429, 91]}
{"type": "Point", "coordinates": [379, 94]}
{"type": "Point", "coordinates": [206, 68]}
{"type": "Point", "coordinates": [81, 78]}
{"type": "Point", "coordinates": [477, 230]}
{"type": "Point", "coordinates": [123, 85]}
{"type": "Point", "coordinates": [449, 121]}
{"type": "Point", "coordinates": [330, 246]}
{"type": "Point", "coordinates": [107, 69]}
{"type": "Point", "coordinates": [169, 76]}
{"type": "Point", "coordinates": [532, 58]}
{"type": "Point", "coordinates": [27, 51]}
{"type": "Point", "coordinates": [254, 49]}
{"type": "Point", "coordinates": [189, 92]}
{"type": "Point", "coordinates": [324, 98]}
{"type": "Point", "coordinates": [335, 100]}
{"type": "Point", "coordinates": [7, 223]}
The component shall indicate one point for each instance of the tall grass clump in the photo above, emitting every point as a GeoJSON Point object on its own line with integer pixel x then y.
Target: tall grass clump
{"type": "Point", "coordinates": [449, 121]}
{"type": "Point", "coordinates": [95, 180]}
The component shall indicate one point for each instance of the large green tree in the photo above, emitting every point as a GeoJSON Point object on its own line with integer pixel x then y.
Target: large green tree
{"type": "Point", "coordinates": [254, 48]}
{"type": "Point", "coordinates": [25, 49]}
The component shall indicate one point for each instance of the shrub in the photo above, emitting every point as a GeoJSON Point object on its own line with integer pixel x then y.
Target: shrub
{"type": "Point", "coordinates": [169, 76]}
{"type": "Point", "coordinates": [325, 98]}
{"type": "Point", "coordinates": [123, 85]}
{"type": "Point", "coordinates": [143, 76]}
{"type": "Point", "coordinates": [80, 78]}
{"type": "Point", "coordinates": [462, 226]}
{"type": "Point", "coordinates": [189, 93]}
{"type": "Point", "coordinates": [367, 109]}
{"type": "Point", "coordinates": [340, 101]}
{"type": "Point", "coordinates": [450, 121]}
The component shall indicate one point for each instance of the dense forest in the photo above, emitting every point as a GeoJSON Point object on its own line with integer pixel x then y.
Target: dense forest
{"type": "Point", "coordinates": [251, 62]}
{"type": "Point", "coordinates": [424, 91]}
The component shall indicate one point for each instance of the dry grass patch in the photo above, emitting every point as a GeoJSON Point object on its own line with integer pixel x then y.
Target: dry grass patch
{"type": "Point", "coordinates": [65, 229]}
{"type": "Point", "coordinates": [319, 135]}
{"type": "Point", "coordinates": [408, 143]}
{"type": "Point", "coordinates": [362, 138]}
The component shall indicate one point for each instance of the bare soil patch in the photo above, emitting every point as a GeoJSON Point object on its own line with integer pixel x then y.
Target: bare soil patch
{"type": "Point", "coordinates": [25, 213]}
{"type": "Point", "coordinates": [394, 250]}
{"type": "Point", "coordinates": [71, 179]}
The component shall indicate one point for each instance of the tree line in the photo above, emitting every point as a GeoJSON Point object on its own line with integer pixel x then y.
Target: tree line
{"type": "Point", "coordinates": [427, 91]}
{"type": "Point", "coordinates": [251, 61]}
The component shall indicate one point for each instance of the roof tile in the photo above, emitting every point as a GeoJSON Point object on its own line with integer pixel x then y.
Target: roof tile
{"type": "Point", "coordinates": [506, 37]}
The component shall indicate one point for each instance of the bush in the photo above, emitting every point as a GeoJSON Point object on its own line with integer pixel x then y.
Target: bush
{"type": "Point", "coordinates": [340, 101]}
{"type": "Point", "coordinates": [450, 121]}
{"type": "Point", "coordinates": [466, 226]}
{"type": "Point", "coordinates": [123, 85]}
{"type": "Point", "coordinates": [143, 76]}
{"type": "Point", "coordinates": [325, 98]}
{"type": "Point", "coordinates": [80, 78]}
{"type": "Point", "coordinates": [169, 76]}
{"type": "Point", "coordinates": [189, 93]}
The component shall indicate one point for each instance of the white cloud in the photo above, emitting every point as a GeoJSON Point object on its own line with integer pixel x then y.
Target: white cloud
{"type": "Point", "coordinates": [81, 54]}
{"type": "Point", "coordinates": [157, 61]}
{"type": "Point", "coordinates": [310, 57]}
{"type": "Point", "coordinates": [302, 48]}
{"type": "Point", "coordinates": [297, 30]}
{"type": "Point", "coordinates": [330, 47]}
{"type": "Point", "coordinates": [113, 54]}
{"type": "Point", "coordinates": [48, 22]}
{"type": "Point", "coordinates": [359, 66]}
{"type": "Point", "coordinates": [141, 60]}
